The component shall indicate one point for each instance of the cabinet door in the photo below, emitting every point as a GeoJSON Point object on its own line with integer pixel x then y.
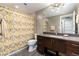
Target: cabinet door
{"type": "Point", "coordinates": [40, 44]}
{"type": "Point", "coordinates": [60, 45]}
{"type": "Point", "coordinates": [48, 42]}
{"type": "Point", "coordinates": [40, 49]}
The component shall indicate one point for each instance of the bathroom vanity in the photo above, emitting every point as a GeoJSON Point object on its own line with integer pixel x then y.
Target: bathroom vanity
{"type": "Point", "coordinates": [59, 44]}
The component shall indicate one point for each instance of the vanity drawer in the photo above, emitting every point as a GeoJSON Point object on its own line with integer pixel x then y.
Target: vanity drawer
{"type": "Point", "coordinates": [73, 45]}
{"type": "Point", "coordinates": [72, 48]}
{"type": "Point", "coordinates": [72, 53]}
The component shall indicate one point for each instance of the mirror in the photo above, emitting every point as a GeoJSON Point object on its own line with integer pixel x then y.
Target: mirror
{"type": "Point", "coordinates": [60, 18]}
{"type": "Point", "coordinates": [62, 23]}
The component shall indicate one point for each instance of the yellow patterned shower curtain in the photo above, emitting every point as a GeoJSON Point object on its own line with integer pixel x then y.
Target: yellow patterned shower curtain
{"type": "Point", "coordinates": [16, 29]}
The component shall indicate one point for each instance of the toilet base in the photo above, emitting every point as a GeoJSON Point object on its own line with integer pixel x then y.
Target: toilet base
{"type": "Point", "coordinates": [31, 48]}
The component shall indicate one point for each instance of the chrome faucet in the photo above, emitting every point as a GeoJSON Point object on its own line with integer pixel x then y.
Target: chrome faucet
{"type": "Point", "coordinates": [56, 33]}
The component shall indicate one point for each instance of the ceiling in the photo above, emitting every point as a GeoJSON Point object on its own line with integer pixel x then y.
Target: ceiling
{"type": "Point", "coordinates": [31, 8]}
{"type": "Point", "coordinates": [67, 8]}
{"type": "Point", "coordinates": [28, 9]}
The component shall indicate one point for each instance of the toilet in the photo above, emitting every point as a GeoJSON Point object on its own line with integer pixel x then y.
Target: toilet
{"type": "Point", "coordinates": [32, 45]}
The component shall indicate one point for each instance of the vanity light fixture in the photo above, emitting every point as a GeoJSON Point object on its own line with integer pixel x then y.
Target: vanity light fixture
{"type": "Point", "coordinates": [56, 6]}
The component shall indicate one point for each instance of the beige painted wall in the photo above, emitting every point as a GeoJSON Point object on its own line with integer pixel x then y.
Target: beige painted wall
{"type": "Point", "coordinates": [40, 24]}
{"type": "Point", "coordinates": [54, 21]}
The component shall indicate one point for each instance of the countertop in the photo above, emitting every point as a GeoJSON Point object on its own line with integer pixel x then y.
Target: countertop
{"type": "Point", "coordinates": [70, 38]}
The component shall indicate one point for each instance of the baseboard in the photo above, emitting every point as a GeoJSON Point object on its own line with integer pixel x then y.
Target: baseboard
{"type": "Point", "coordinates": [16, 51]}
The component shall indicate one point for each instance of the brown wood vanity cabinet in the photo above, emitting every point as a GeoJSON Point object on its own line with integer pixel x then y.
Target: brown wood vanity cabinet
{"type": "Point", "coordinates": [66, 47]}
{"type": "Point", "coordinates": [72, 48]}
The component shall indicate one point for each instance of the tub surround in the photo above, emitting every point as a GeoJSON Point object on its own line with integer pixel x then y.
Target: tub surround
{"type": "Point", "coordinates": [59, 44]}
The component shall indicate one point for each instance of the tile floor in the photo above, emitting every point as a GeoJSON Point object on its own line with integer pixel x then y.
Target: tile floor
{"type": "Point", "coordinates": [25, 52]}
